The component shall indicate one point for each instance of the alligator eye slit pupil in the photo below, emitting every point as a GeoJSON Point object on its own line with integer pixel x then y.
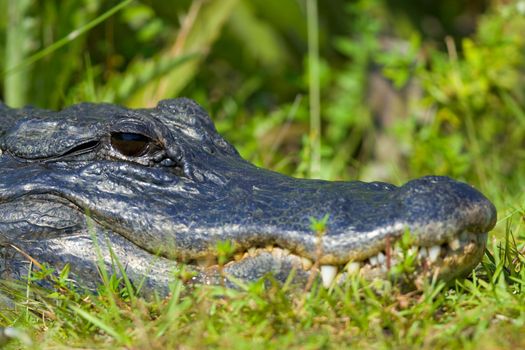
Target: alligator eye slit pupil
{"type": "Point", "coordinates": [130, 144]}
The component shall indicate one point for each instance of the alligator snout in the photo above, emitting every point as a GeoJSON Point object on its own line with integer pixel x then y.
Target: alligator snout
{"type": "Point", "coordinates": [447, 220]}
{"type": "Point", "coordinates": [159, 187]}
{"type": "Point", "coordinates": [444, 207]}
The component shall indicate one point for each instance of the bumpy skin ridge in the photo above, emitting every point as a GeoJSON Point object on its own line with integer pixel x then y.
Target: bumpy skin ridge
{"type": "Point", "coordinates": [65, 185]}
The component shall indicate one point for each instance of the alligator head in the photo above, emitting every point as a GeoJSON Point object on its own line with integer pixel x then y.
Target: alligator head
{"type": "Point", "coordinates": [159, 187]}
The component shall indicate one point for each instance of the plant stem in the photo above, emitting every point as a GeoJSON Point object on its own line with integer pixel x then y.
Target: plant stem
{"type": "Point", "coordinates": [15, 84]}
{"type": "Point", "coordinates": [314, 88]}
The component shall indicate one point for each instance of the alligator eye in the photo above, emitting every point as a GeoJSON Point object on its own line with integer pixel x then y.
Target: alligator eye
{"type": "Point", "coordinates": [130, 144]}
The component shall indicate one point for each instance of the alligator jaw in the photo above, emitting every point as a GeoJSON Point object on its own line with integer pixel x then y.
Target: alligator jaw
{"type": "Point", "coordinates": [83, 253]}
{"type": "Point", "coordinates": [445, 261]}
{"type": "Point", "coordinates": [441, 235]}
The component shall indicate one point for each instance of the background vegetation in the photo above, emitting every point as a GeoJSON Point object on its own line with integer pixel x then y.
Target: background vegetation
{"type": "Point", "coordinates": [363, 89]}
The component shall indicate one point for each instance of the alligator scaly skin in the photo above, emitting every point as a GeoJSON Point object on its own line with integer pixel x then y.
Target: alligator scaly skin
{"type": "Point", "coordinates": [160, 187]}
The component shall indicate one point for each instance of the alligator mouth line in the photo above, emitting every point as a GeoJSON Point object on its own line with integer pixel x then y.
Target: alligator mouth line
{"type": "Point", "coordinates": [449, 259]}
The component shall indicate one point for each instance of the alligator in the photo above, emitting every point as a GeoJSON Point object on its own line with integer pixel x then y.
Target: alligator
{"type": "Point", "coordinates": [153, 191]}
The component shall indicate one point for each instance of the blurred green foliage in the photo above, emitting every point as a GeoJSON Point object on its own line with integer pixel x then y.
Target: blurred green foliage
{"type": "Point", "coordinates": [407, 88]}
{"type": "Point", "coordinates": [477, 95]}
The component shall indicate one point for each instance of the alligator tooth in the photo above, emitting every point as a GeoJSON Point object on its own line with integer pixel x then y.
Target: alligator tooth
{"type": "Point", "coordinates": [252, 251]}
{"type": "Point", "coordinates": [277, 252]}
{"type": "Point", "coordinates": [353, 267]}
{"type": "Point", "coordinates": [381, 258]}
{"type": "Point", "coordinates": [373, 260]}
{"type": "Point", "coordinates": [454, 244]}
{"type": "Point", "coordinates": [307, 263]}
{"type": "Point", "coordinates": [398, 251]}
{"type": "Point", "coordinates": [238, 256]}
{"type": "Point", "coordinates": [423, 252]}
{"type": "Point", "coordinates": [328, 273]}
{"type": "Point", "coordinates": [433, 252]}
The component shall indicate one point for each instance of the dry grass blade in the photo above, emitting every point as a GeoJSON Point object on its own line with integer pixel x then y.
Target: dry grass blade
{"type": "Point", "coordinates": [200, 28]}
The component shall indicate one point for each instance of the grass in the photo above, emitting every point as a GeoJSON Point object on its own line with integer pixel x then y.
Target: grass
{"type": "Point", "coordinates": [314, 93]}
{"type": "Point", "coordinates": [484, 311]}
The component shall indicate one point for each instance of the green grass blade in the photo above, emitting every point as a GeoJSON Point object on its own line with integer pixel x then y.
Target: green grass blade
{"type": "Point", "coordinates": [100, 324]}
{"type": "Point", "coordinates": [65, 40]}
{"type": "Point", "coordinates": [18, 37]}
{"type": "Point", "coordinates": [115, 260]}
{"type": "Point", "coordinates": [314, 88]}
